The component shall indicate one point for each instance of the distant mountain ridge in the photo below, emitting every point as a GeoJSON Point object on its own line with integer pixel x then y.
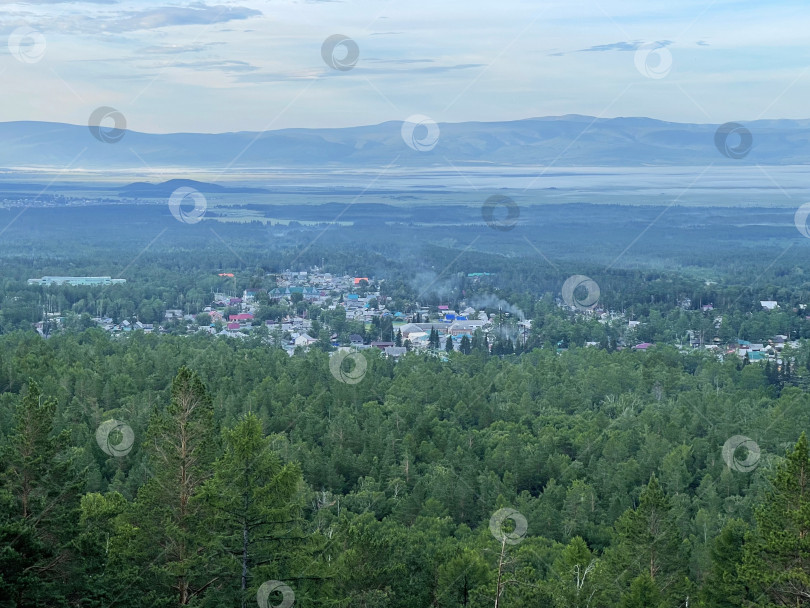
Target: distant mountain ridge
{"type": "Point", "coordinates": [165, 189]}
{"type": "Point", "coordinates": [571, 140]}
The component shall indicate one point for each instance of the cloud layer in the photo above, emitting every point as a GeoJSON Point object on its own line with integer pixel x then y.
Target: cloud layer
{"type": "Point", "coordinates": [246, 64]}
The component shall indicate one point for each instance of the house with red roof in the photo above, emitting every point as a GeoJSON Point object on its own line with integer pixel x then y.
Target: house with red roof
{"type": "Point", "coordinates": [242, 316]}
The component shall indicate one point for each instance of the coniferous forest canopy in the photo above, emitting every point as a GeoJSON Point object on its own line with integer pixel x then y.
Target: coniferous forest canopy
{"type": "Point", "coordinates": [389, 491]}
{"type": "Point", "coordinates": [404, 305]}
{"type": "Point", "coordinates": [560, 468]}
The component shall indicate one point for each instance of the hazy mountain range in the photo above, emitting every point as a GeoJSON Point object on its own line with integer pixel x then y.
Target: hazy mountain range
{"type": "Point", "coordinates": [164, 189]}
{"type": "Point", "coordinates": [563, 141]}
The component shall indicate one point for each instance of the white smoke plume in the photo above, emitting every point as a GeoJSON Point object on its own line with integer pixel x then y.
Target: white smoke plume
{"type": "Point", "coordinates": [492, 302]}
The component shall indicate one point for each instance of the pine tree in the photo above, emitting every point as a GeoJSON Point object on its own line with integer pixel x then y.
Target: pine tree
{"type": "Point", "coordinates": [643, 593]}
{"type": "Point", "coordinates": [256, 512]}
{"type": "Point", "coordinates": [433, 339]}
{"type": "Point", "coordinates": [776, 555]}
{"type": "Point", "coordinates": [98, 518]}
{"type": "Point", "coordinates": [39, 499]}
{"type": "Point", "coordinates": [448, 344]}
{"type": "Point", "coordinates": [577, 567]}
{"type": "Point", "coordinates": [465, 347]}
{"type": "Point", "coordinates": [475, 343]}
{"type": "Point", "coordinates": [168, 514]}
{"type": "Point", "coordinates": [722, 587]}
{"type": "Point", "coordinates": [459, 576]}
{"type": "Point", "coordinates": [649, 544]}
{"type": "Point", "coordinates": [387, 330]}
{"type": "Point", "coordinates": [771, 373]}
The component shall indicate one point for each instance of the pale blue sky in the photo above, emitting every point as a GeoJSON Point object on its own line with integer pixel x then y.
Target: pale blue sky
{"type": "Point", "coordinates": [251, 65]}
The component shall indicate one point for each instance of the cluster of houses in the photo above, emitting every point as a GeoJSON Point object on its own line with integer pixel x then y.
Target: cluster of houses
{"type": "Point", "coordinates": [233, 316]}
{"type": "Point", "coordinates": [106, 323]}
{"type": "Point", "coordinates": [320, 288]}
{"type": "Point", "coordinates": [756, 351]}
{"type": "Point", "coordinates": [47, 281]}
{"type": "Point", "coordinates": [752, 351]}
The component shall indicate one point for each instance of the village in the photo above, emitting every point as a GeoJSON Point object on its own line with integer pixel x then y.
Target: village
{"type": "Point", "coordinates": [236, 317]}
{"type": "Point", "coordinates": [357, 302]}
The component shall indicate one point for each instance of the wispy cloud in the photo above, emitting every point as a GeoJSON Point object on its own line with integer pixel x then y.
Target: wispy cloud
{"type": "Point", "coordinates": [48, 2]}
{"type": "Point", "coordinates": [155, 58]}
{"type": "Point", "coordinates": [207, 66]}
{"type": "Point", "coordinates": [120, 20]}
{"type": "Point", "coordinates": [168, 16]}
{"type": "Point", "coordinates": [398, 61]}
{"type": "Point", "coordinates": [631, 45]}
{"type": "Point", "coordinates": [624, 46]}
{"type": "Point", "coordinates": [263, 77]}
{"type": "Point", "coordinates": [177, 49]}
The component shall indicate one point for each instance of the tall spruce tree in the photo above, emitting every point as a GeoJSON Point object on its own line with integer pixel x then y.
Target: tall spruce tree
{"type": "Point", "coordinates": [433, 339]}
{"type": "Point", "coordinates": [776, 555]}
{"type": "Point", "coordinates": [578, 569]}
{"type": "Point", "coordinates": [722, 587]}
{"type": "Point", "coordinates": [169, 523]}
{"type": "Point", "coordinates": [254, 497]}
{"type": "Point", "coordinates": [643, 593]}
{"type": "Point", "coordinates": [649, 544]}
{"type": "Point", "coordinates": [39, 501]}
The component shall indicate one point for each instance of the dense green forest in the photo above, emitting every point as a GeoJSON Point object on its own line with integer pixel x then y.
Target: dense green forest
{"type": "Point", "coordinates": [184, 470]}
{"type": "Point", "coordinates": [181, 469]}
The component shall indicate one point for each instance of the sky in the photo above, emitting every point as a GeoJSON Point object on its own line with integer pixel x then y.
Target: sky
{"type": "Point", "coordinates": [215, 66]}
